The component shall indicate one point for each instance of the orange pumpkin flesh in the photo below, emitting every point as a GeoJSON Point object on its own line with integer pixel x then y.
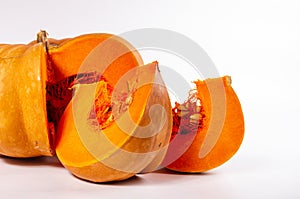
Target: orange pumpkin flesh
{"type": "Point", "coordinates": [85, 54]}
{"type": "Point", "coordinates": [117, 151]}
{"type": "Point", "coordinates": [68, 55]}
{"type": "Point", "coordinates": [219, 128]}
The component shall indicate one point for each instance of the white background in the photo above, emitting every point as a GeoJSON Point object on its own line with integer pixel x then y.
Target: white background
{"type": "Point", "coordinates": [256, 42]}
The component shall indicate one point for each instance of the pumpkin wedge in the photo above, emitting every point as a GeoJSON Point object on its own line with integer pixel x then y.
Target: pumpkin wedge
{"type": "Point", "coordinates": [208, 128]}
{"type": "Point", "coordinates": [130, 141]}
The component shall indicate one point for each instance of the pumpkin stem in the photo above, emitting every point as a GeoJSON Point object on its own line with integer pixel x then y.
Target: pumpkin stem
{"type": "Point", "coordinates": [42, 37]}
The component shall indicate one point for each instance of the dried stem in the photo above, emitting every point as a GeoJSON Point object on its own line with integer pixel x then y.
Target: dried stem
{"type": "Point", "coordinates": [42, 37]}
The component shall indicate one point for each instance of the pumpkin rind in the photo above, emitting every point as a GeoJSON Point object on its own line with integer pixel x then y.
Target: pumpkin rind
{"type": "Point", "coordinates": [23, 123]}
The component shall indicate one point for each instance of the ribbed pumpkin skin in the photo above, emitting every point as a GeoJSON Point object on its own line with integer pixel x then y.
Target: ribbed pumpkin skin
{"type": "Point", "coordinates": [23, 118]}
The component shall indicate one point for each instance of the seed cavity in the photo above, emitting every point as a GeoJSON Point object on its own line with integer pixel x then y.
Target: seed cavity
{"type": "Point", "coordinates": [187, 117]}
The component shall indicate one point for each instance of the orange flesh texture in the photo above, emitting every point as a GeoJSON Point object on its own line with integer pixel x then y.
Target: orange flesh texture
{"type": "Point", "coordinates": [73, 53]}
{"type": "Point", "coordinates": [92, 53]}
{"type": "Point", "coordinates": [103, 53]}
{"type": "Point", "coordinates": [68, 136]}
{"type": "Point", "coordinates": [23, 124]}
{"type": "Point", "coordinates": [99, 159]}
{"type": "Point", "coordinates": [222, 130]}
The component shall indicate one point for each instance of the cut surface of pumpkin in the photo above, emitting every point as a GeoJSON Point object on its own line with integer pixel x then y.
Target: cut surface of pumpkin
{"type": "Point", "coordinates": [81, 59]}
{"type": "Point", "coordinates": [208, 128]}
{"type": "Point", "coordinates": [136, 129]}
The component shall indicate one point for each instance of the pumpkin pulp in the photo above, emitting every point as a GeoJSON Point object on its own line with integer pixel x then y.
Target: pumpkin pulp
{"type": "Point", "coordinates": [188, 116]}
{"type": "Point", "coordinates": [59, 95]}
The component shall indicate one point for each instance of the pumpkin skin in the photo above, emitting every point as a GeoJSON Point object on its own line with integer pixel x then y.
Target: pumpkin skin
{"type": "Point", "coordinates": [24, 130]}
{"type": "Point", "coordinates": [218, 137]}
{"type": "Point", "coordinates": [130, 152]}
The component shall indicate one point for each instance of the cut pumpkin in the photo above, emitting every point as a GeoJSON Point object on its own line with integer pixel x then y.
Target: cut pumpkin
{"type": "Point", "coordinates": [105, 54]}
{"type": "Point", "coordinates": [54, 75]}
{"type": "Point", "coordinates": [107, 116]}
{"type": "Point", "coordinates": [136, 138]}
{"type": "Point", "coordinates": [209, 130]}
{"type": "Point", "coordinates": [35, 80]}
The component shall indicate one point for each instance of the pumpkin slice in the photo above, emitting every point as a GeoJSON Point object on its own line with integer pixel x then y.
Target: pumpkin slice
{"type": "Point", "coordinates": [23, 119]}
{"type": "Point", "coordinates": [208, 128]}
{"type": "Point", "coordinates": [134, 137]}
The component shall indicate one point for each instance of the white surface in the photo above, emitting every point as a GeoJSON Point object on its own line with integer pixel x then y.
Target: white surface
{"type": "Point", "coordinates": [256, 42]}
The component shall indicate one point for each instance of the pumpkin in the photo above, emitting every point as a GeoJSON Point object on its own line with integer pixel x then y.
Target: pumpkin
{"type": "Point", "coordinates": [91, 101]}
{"type": "Point", "coordinates": [208, 128]}
{"type": "Point", "coordinates": [34, 86]}
{"type": "Point", "coordinates": [37, 107]}
{"type": "Point", "coordinates": [135, 139]}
